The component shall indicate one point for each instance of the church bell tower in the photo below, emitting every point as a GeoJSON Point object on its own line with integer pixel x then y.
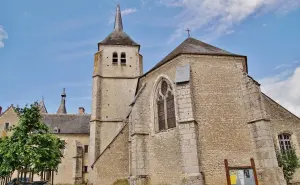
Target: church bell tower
{"type": "Point", "coordinates": [117, 67]}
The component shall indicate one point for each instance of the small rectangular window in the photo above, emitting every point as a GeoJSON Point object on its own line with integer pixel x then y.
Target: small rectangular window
{"type": "Point", "coordinates": [86, 148]}
{"type": "Point", "coordinates": [85, 169]}
{"type": "Point", "coordinates": [6, 126]}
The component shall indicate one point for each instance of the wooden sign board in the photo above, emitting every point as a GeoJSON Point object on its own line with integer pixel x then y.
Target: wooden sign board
{"type": "Point", "coordinates": [241, 175]}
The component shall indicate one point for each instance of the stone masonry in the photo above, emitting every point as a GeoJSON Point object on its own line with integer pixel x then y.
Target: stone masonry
{"type": "Point", "coordinates": [188, 132]}
{"type": "Point", "coordinates": [260, 131]}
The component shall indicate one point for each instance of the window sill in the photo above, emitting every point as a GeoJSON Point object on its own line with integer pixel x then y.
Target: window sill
{"type": "Point", "coordinates": [164, 131]}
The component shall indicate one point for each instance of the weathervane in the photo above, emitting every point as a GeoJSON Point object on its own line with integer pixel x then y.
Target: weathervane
{"type": "Point", "coordinates": [188, 30]}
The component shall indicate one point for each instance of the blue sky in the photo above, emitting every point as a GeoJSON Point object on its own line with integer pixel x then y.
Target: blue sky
{"type": "Point", "coordinates": [48, 45]}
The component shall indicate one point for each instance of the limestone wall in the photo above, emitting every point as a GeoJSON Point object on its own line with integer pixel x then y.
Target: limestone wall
{"type": "Point", "coordinates": [220, 114]}
{"type": "Point", "coordinates": [283, 121]}
{"type": "Point", "coordinates": [114, 162]}
{"type": "Point", "coordinates": [132, 67]}
{"type": "Point", "coordinates": [155, 155]}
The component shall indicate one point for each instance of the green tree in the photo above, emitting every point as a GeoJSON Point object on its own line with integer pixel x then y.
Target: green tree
{"type": "Point", "coordinates": [31, 147]}
{"type": "Point", "coordinates": [289, 162]}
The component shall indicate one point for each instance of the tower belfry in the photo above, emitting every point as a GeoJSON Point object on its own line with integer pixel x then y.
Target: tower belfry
{"type": "Point", "coordinates": [117, 62]}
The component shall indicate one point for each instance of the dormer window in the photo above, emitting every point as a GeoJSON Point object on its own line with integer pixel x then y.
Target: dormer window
{"type": "Point", "coordinates": [56, 130]}
{"type": "Point", "coordinates": [123, 58]}
{"type": "Point", "coordinates": [115, 58]}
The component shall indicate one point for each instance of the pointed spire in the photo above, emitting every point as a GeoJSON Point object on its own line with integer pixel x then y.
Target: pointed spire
{"type": "Point", "coordinates": [42, 106]}
{"type": "Point", "coordinates": [118, 19]}
{"type": "Point", "coordinates": [62, 108]}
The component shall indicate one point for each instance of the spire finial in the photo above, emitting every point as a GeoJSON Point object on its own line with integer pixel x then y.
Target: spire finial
{"type": "Point", "coordinates": [188, 30]}
{"type": "Point", "coordinates": [62, 108]}
{"type": "Point", "coordinates": [118, 19]}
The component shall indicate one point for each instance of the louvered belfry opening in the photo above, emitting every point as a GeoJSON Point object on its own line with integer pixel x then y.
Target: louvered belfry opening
{"type": "Point", "coordinates": [123, 58]}
{"type": "Point", "coordinates": [115, 58]}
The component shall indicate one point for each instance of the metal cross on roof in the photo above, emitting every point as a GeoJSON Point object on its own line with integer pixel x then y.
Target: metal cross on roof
{"type": "Point", "coordinates": [188, 30]}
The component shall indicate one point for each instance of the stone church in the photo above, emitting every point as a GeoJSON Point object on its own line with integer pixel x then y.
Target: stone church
{"type": "Point", "coordinates": [195, 118]}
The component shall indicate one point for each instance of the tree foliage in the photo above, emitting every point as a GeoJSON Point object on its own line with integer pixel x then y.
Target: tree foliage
{"type": "Point", "coordinates": [289, 162]}
{"type": "Point", "coordinates": [31, 146]}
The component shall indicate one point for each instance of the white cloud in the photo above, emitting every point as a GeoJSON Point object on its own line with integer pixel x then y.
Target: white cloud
{"type": "Point", "coordinates": [124, 12]}
{"type": "Point", "coordinates": [128, 11]}
{"type": "Point", "coordinates": [287, 65]}
{"type": "Point", "coordinates": [218, 17]}
{"type": "Point", "coordinates": [284, 88]}
{"type": "Point", "coordinates": [3, 35]}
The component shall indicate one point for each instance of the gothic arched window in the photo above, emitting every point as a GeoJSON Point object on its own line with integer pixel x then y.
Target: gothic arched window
{"type": "Point", "coordinates": [165, 106]}
{"type": "Point", "coordinates": [115, 58]}
{"type": "Point", "coordinates": [285, 142]}
{"type": "Point", "coordinates": [123, 58]}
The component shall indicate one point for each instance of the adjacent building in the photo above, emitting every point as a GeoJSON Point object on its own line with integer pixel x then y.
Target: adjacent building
{"type": "Point", "coordinates": [72, 128]}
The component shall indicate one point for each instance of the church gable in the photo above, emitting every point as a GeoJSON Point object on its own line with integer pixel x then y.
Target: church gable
{"type": "Point", "coordinates": [278, 112]}
{"type": "Point", "coordinates": [196, 47]}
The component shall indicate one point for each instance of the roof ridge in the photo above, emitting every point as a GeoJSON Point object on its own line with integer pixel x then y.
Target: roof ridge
{"type": "Point", "coordinates": [268, 97]}
{"type": "Point", "coordinates": [55, 114]}
{"type": "Point", "coordinates": [11, 106]}
{"type": "Point", "coordinates": [194, 47]}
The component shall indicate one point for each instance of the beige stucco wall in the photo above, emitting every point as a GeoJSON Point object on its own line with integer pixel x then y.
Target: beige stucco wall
{"type": "Point", "coordinates": [9, 116]}
{"type": "Point", "coordinates": [65, 174]}
{"type": "Point", "coordinates": [283, 121]}
{"type": "Point", "coordinates": [66, 169]}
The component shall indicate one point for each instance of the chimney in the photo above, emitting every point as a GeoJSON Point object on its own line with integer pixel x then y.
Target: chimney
{"type": "Point", "coordinates": [81, 111]}
{"type": "Point", "coordinates": [0, 110]}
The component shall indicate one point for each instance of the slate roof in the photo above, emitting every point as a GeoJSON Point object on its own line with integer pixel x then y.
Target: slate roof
{"type": "Point", "coordinates": [62, 107]}
{"type": "Point", "coordinates": [68, 123]}
{"type": "Point", "coordinates": [42, 107]}
{"type": "Point", "coordinates": [194, 46]}
{"type": "Point", "coordinates": [118, 36]}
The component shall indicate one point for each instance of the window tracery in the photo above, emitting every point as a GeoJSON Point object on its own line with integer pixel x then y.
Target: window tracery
{"type": "Point", "coordinates": [165, 106]}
